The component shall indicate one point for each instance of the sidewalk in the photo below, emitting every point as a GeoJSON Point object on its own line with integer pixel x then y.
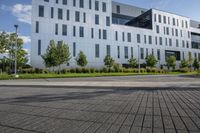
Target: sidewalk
{"type": "Point", "coordinates": [108, 82]}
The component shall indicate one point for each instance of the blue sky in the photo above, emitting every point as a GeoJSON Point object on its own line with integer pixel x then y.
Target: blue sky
{"type": "Point", "coordinates": [19, 12]}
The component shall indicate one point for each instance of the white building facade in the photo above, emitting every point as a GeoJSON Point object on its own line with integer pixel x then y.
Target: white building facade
{"type": "Point", "coordinates": [102, 27]}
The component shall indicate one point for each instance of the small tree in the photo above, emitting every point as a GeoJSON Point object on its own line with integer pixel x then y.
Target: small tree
{"type": "Point", "coordinates": [184, 64]}
{"type": "Point", "coordinates": [171, 62]}
{"type": "Point", "coordinates": [190, 59]}
{"type": "Point", "coordinates": [109, 62]}
{"type": "Point", "coordinates": [151, 61]}
{"type": "Point", "coordinates": [63, 54]}
{"type": "Point", "coordinates": [81, 60]}
{"type": "Point", "coordinates": [132, 62]}
{"type": "Point", "coordinates": [196, 64]}
{"type": "Point", "coordinates": [50, 57]}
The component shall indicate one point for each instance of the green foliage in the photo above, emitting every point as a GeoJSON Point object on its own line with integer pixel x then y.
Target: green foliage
{"type": "Point", "coordinates": [196, 64]}
{"type": "Point", "coordinates": [56, 55]}
{"type": "Point", "coordinates": [81, 60]}
{"type": "Point", "coordinates": [171, 62]}
{"type": "Point", "coordinates": [63, 54]}
{"type": "Point", "coordinates": [4, 40]}
{"type": "Point", "coordinates": [151, 61]}
{"type": "Point", "coordinates": [50, 57]}
{"type": "Point", "coordinates": [117, 67]}
{"type": "Point", "coordinates": [184, 64]}
{"type": "Point", "coordinates": [109, 62]}
{"type": "Point", "coordinates": [132, 62]}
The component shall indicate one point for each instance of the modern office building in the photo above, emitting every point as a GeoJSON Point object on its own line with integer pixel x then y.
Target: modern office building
{"type": "Point", "coordinates": [102, 27]}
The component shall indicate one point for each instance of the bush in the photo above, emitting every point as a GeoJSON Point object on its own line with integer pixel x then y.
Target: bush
{"type": "Point", "coordinates": [64, 71]}
{"type": "Point", "coordinates": [117, 67]}
{"type": "Point", "coordinates": [184, 70]}
{"type": "Point", "coordinates": [92, 70]}
{"type": "Point", "coordinates": [72, 70]}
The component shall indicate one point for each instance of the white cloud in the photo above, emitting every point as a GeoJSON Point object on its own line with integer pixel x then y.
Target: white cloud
{"type": "Point", "coordinates": [22, 12]}
{"type": "Point", "coordinates": [26, 39]}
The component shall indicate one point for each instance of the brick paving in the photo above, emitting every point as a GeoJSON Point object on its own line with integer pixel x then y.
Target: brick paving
{"type": "Point", "coordinates": [82, 110]}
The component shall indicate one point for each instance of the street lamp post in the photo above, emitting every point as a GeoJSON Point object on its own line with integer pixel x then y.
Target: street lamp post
{"type": "Point", "coordinates": [139, 58]}
{"type": "Point", "coordinates": [16, 27]}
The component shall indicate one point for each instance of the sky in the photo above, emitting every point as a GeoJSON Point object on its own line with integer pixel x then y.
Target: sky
{"type": "Point", "coordinates": [19, 12]}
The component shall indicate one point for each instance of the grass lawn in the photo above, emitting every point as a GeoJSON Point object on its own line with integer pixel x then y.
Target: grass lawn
{"type": "Point", "coordinates": [74, 75]}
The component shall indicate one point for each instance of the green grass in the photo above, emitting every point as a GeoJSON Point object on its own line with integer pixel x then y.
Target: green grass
{"type": "Point", "coordinates": [75, 75]}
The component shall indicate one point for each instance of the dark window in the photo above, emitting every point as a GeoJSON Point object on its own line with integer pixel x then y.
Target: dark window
{"type": "Point", "coordinates": [157, 29]}
{"type": "Point", "coordinates": [56, 1]}
{"type": "Point", "coordinates": [37, 27]}
{"type": "Point", "coordinates": [81, 31]}
{"type": "Point", "coordinates": [74, 3]}
{"type": "Point", "coordinates": [74, 31]}
{"type": "Point", "coordinates": [108, 50]}
{"type": "Point", "coordinates": [90, 4]}
{"type": "Point", "coordinates": [56, 29]}
{"type": "Point", "coordinates": [141, 53]}
{"type": "Point", "coordinates": [104, 34]}
{"type": "Point", "coordinates": [64, 30]}
{"type": "Point", "coordinates": [159, 19]}
{"type": "Point", "coordinates": [64, 2]}
{"type": "Point", "coordinates": [158, 54]}
{"type": "Point", "coordinates": [39, 47]}
{"type": "Point", "coordinates": [116, 35]}
{"type": "Point", "coordinates": [74, 49]}
{"type": "Point", "coordinates": [118, 9]}
{"type": "Point", "coordinates": [41, 11]}
{"type": "Point", "coordinates": [104, 8]}
{"type": "Point", "coordinates": [68, 15]}
{"type": "Point", "coordinates": [138, 38]}
{"type": "Point", "coordinates": [97, 51]}
{"type": "Point", "coordinates": [97, 5]}
{"type": "Point", "coordinates": [126, 52]}
{"type": "Point", "coordinates": [129, 37]}
{"type": "Point", "coordinates": [131, 52]}
{"type": "Point", "coordinates": [77, 16]}
{"type": "Point", "coordinates": [107, 21]}
{"type": "Point", "coordinates": [160, 39]}
{"type": "Point", "coordinates": [118, 51]}
{"type": "Point", "coordinates": [92, 32]}
{"type": "Point", "coordinates": [60, 13]}
{"type": "Point", "coordinates": [81, 3]}
{"type": "Point", "coordinates": [52, 12]}
{"type": "Point", "coordinates": [123, 36]}
{"type": "Point", "coordinates": [46, 0]}
{"type": "Point", "coordinates": [99, 33]}
{"type": "Point", "coordinates": [150, 39]}
{"type": "Point", "coordinates": [84, 17]}
{"type": "Point", "coordinates": [97, 19]}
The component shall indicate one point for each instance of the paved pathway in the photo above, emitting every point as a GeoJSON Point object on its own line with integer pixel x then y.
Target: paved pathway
{"type": "Point", "coordinates": [67, 110]}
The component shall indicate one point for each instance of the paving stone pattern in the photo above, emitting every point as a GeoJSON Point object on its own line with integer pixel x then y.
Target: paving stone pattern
{"type": "Point", "coordinates": [65, 110]}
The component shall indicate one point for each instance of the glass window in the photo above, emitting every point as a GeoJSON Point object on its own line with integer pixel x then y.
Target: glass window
{"type": "Point", "coordinates": [97, 53]}
{"type": "Point", "coordinates": [74, 3]}
{"type": "Point", "coordinates": [129, 37]}
{"type": "Point", "coordinates": [56, 29]}
{"type": "Point", "coordinates": [123, 36]}
{"type": "Point", "coordinates": [74, 49]}
{"type": "Point", "coordinates": [150, 39]}
{"type": "Point", "coordinates": [138, 38]}
{"type": "Point", "coordinates": [74, 31]}
{"type": "Point", "coordinates": [64, 30]}
{"type": "Point", "coordinates": [108, 50]}
{"type": "Point", "coordinates": [97, 5]}
{"type": "Point", "coordinates": [97, 19]}
{"type": "Point", "coordinates": [118, 52]}
{"type": "Point", "coordinates": [77, 16]}
{"type": "Point", "coordinates": [84, 17]}
{"type": "Point", "coordinates": [90, 4]}
{"type": "Point", "coordinates": [39, 47]}
{"type": "Point", "coordinates": [142, 53]}
{"type": "Point", "coordinates": [41, 11]}
{"type": "Point", "coordinates": [118, 9]}
{"type": "Point", "coordinates": [37, 27]}
{"type": "Point", "coordinates": [68, 15]}
{"type": "Point", "coordinates": [81, 31]}
{"type": "Point", "coordinates": [158, 54]}
{"type": "Point", "coordinates": [60, 13]}
{"type": "Point", "coordinates": [99, 33]}
{"type": "Point", "coordinates": [64, 2]}
{"type": "Point", "coordinates": [92, 32]}
{"type": "Point", "coordinates": [159, 19]}
{"type": "Point", "coordinates": [116, 35]}
{"type": "Point", "coordinates": [160, 39]}
{"type": "Point", "coordinates": [107, 21]}
{"type": "Point", "coordinates": [104, 34]}
{"type": "Point", "coordinates": [157, 29]}
{"type": "Point", "coordinates": [52, 12]}
{"type": "Point", "coordinates": [81, 3]}
{"type": "Point", "coordinates": [131, 52]}
{"type": "Point", "coordinates": [104, 8]}
{"type": "Point", "coordinates": [126, 52]}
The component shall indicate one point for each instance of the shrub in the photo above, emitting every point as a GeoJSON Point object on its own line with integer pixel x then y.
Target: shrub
{"type": "Point", "coordinates": [184, 70]}
{"type": "Point", "coordinates": [105, 70]}
{"type": "Point", "coordinates": [92, 70]}
{"type": "Point", "coordinates": [117, 67]}
{"type": "Point", "coordinates": [64, 71]}
{"type": "Point", "coordinates": [72, 70]}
